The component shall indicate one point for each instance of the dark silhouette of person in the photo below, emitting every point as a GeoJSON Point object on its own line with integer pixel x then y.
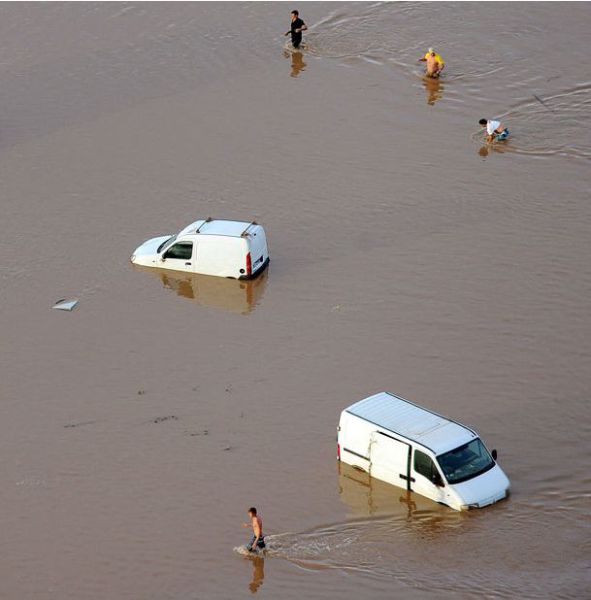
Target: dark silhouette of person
{"type": "Point", "coordinates": [296, 28]}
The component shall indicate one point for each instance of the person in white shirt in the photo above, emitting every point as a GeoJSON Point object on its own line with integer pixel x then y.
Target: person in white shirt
{"type": "Point", "coordinates": [495, 130]}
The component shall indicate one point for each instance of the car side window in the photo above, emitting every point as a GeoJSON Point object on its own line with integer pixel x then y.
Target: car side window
{"type": "Point", "coordinates": [182, 250]}
{"type": "Point", "coordinates": [424, 465]}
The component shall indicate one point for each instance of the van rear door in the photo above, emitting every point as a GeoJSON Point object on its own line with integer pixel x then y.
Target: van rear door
{"type": "Point", "coordinates": [257, 247]}
{"type": "Point", "coordinates": [389, 460]}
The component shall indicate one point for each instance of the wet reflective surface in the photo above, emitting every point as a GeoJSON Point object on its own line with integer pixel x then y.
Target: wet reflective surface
{"type": "Point", "coordinates": [434, 89]}
{"type": "Point", "coordinates": [405, 255]}
{"type": "Point", "coordinates": [217, 292]}
{"type": "Point", "coordinates": [297, 62]}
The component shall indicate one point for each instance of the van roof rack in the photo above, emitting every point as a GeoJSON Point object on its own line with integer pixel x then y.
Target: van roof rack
{"type": "Point", "coordinates": [248, 227]}
{"type": "Point", "coordinates": [208, 220]}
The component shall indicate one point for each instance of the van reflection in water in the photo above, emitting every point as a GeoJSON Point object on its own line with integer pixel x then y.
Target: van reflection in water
{"type": "Point", "coordinates": [237, 296]}
{"type": "Point", "coordinates": [366, 496]}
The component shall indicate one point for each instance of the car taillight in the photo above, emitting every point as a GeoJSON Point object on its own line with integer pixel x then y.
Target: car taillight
{"type": "Point", "coordinates": [338, 451]}
{"type": "Point", "coordinates": [248, 264]}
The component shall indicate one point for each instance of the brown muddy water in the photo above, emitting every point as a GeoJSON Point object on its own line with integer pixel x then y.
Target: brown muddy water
{"type": "Point", "coordinates": [137, 429]}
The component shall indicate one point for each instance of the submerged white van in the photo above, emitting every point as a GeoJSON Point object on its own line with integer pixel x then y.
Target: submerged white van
{"type": "Point", "coordinates": [234, 249]}
{"type": "Point", "coordinates": [411, 447]}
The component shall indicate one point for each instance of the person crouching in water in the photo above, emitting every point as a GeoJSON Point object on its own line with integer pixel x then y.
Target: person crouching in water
{"type": "Point", "coordinates": [296, 28]}
{"type": "Point", "coordinates": [495, 130]}
{"type": "Point", "coordinates": [435, 64]}
{"type": "Point", "coordinates": [258, 539]}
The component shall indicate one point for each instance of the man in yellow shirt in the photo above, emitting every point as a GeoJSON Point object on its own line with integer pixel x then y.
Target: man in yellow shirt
{"type": "Point", "coordinates": [435, 64]}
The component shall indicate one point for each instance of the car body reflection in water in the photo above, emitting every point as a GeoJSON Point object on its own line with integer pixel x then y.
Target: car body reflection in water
{"type": "Point", "coordinates": [237, 296]}
{"type": "Point", "coordinates": [366, 497]}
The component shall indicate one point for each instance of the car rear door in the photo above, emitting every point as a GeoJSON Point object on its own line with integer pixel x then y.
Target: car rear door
{"type": "Point", "coordinates": [389, 460]}
{"type": "Point", "coordinates": [257, 247]}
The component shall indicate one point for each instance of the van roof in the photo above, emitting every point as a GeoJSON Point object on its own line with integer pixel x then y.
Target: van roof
{"type": "Point", "coordinates": [420, 425]}
{"type": "Point", "coordinates": [218, 227]}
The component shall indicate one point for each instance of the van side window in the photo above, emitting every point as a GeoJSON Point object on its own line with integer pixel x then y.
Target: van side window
{"type": "Point", "coordinates": [424, 465]}
{"type": "Point", "coordinates": [182, 250]}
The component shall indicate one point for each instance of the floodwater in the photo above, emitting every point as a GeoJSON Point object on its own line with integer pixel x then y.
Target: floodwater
{"type": "Point", "coordinates": [137, 429]}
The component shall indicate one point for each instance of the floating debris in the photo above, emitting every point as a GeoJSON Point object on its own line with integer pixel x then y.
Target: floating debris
{"type": "Point", "coordinates": [81, 424]}
{"type": "Point", "coordinates": [168, 418]}
{"type": "Point", "coordinates": [196, 433]}
{"type": "Point", "coordinates": [32, 482]}
{"type": "Point", "coordinates": [65, 304]}
{"type": "Point", "coordinates": [542, 103]}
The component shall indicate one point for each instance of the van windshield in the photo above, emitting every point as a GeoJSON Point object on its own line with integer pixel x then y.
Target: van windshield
{"type": "Point", "coordinates": [467, 461]}
{"type": "Point", "coordinates": [166, 243]}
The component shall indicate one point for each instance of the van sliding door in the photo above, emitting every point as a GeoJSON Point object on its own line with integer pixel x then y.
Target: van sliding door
{"type": "Point", "coordinates": [390, 460]}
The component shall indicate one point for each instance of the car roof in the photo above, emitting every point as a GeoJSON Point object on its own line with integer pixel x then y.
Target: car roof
{"type": "Point", "coordinates": [413, 422]}
{"type": "Point", "coordinates": [217, 227]}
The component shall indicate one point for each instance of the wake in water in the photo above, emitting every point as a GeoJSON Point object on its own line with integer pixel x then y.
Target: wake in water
{"type": "Point", "coordinates": [548, 125]}
{"type": "Point", "coordinates": [325, 548]}
{"type": "Point", "coordinates": [244, 551]}
{"type": "Point", "coordinates": [373, 33]}
{"type": "Point", "coordinates": [543, 123]}
{"type": "Point", "coordinates": [357, 544]}
{"type": "Point", "coordinates": [424, 548]}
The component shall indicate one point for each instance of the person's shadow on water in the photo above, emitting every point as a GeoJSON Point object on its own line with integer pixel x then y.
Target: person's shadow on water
{"type": "Point", "coordinates": [434, 88]}
{"type": "Point", "coordinates": [297, 62]}
{"type": "Point", "coordinates": [258, 574]}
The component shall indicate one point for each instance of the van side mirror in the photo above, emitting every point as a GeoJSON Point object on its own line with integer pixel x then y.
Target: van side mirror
{"type": "Point", "coordinates": [494, 454]}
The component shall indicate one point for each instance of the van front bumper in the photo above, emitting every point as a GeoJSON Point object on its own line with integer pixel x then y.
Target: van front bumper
{"type": "Point", "coordinates": [486, 502]}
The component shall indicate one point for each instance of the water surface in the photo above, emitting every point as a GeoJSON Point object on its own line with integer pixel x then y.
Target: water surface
{"type": "Point", "coordinates": [138, 428]}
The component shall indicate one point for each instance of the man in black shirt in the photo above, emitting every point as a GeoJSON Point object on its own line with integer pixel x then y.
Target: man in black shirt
{"type": "Point", "coordinates": [297, 26]}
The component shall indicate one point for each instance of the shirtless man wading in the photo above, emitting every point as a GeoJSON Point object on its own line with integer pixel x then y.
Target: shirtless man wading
{"type": "Point", "coordinates": [258, 538]}
{"type": "Point", "coordinates": [435, 64]}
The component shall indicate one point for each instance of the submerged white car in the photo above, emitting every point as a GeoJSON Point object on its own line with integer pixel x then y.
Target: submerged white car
{"type": "Point", "coordinates": [413, 448]}
{"type": "Point", "coordinates": [233, 249]}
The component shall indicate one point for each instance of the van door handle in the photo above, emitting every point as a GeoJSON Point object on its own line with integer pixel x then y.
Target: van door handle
{"type": "Point", "coordinates": [407, 478]}
{"type": "Point", "coordinates": [188, 263]}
